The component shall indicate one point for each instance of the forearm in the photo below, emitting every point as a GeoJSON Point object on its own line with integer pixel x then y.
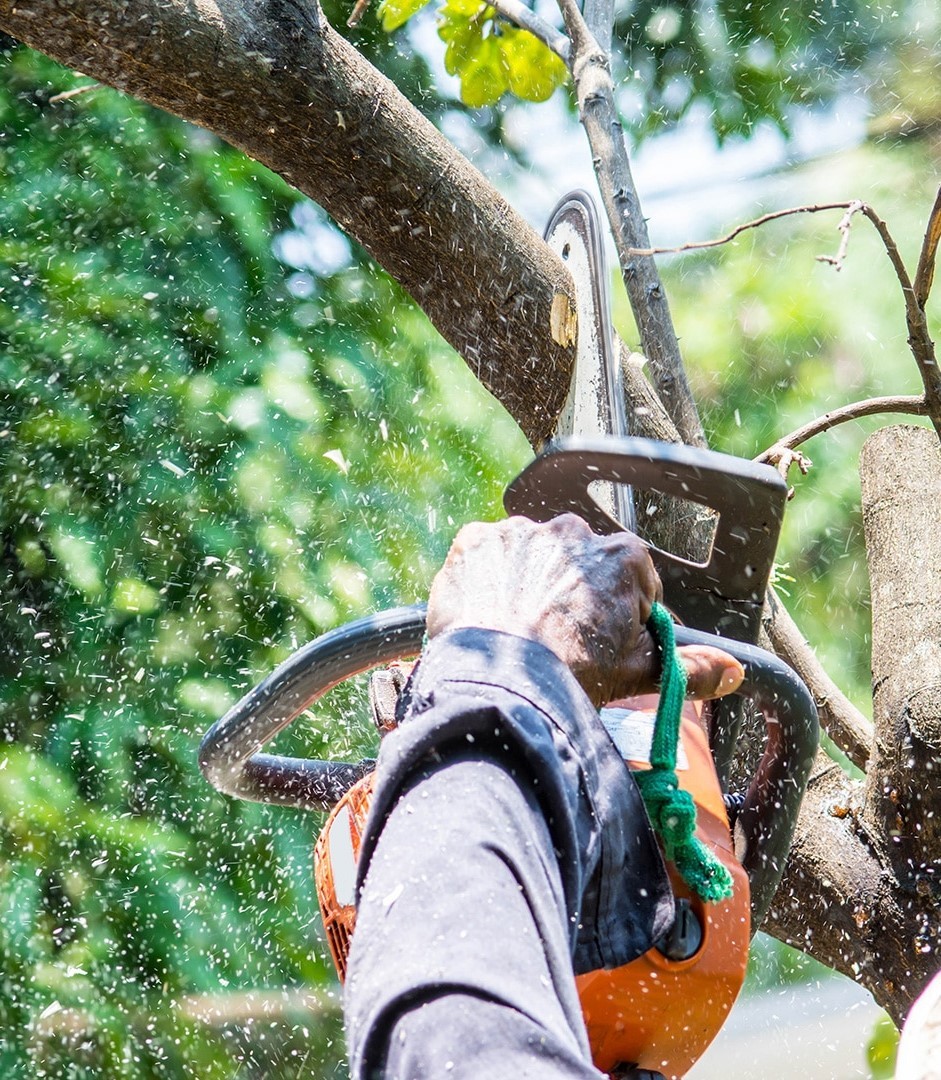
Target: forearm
{"type": "Point", "coordinates": [461, 963]}
{"type": "Point", "coordinates": [505, 833]}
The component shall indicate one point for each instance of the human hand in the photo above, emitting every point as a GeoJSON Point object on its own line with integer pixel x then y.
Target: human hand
{"type": "Point", "coordinates": [585, 597]}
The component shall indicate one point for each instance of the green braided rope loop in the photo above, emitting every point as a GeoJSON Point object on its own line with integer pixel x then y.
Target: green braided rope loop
{"type": "Point", "coordinates": [672, 811]}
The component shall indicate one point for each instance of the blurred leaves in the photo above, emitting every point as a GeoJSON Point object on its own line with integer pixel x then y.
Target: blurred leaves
{"type": "Point", "coordinates": [221, 432]}
{"type": "Point", "coordinates": [882, 1050]}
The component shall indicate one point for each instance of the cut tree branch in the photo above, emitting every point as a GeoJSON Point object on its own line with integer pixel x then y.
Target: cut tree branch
{"type": "Point", "coordinates": [275, 80]}
{"type": "Point", "coordinates": [591, 73]}
{"type": "Point", "coordinates": [900, 468]}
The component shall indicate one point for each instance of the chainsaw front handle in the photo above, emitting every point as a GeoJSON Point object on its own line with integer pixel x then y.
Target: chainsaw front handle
{"type": "Point", "coordinates": [231, 761]}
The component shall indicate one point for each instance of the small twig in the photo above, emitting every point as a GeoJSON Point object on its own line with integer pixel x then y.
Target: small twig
{"type": "Point", "coordinates": [524, 17]}
{"type": "Point", "coordinates": [913, 404]}
{"type": "Point", "coordinates": [67, 94]}
{"type": "Point", "coordinates": [359, 10]}
{"type": "Point", "coordinates": [924, 275]}
{"type": "Point", "coordinates": [836, 261]}
{"type": "Point", "coordinates": [782, 458]}
{"type": "Point", "coordinates": [700, 245]}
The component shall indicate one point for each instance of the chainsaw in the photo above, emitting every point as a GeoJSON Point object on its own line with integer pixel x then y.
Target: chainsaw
{"type": "Point", "coordinates": [655, 1016]}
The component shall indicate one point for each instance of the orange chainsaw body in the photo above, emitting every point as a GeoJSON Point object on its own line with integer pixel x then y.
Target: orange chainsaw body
{"type": "Point", "coordinates": [654, 1013]}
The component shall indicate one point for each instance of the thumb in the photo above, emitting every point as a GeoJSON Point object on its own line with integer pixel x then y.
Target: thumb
{"type": "Point", "coordinates": [710, 673]}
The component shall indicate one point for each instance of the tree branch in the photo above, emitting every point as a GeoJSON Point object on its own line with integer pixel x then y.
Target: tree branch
{"type": "Point", "coordinates": [702, 245]}
{"type": "Point", "coordinates": [591, 74]}
{"type": "Point", "coordinates": [900, 468]}
{"type": "Point", "coordinates": [846, 223]}
{"type": "Point", "coordinates": [277, 81]}
{"type": "Point", "coordinates": [527, 19]}
{"type": "Point", "coordinates": [924, 274]}
{"type": "Point", "coordinates": [599, 18]}
{"type": "Point", "coordinates": [913, 404]}
{"type": "Point", "coordinates": [839, 718]}
{"type": "Point", "coordinates": [915, 296]}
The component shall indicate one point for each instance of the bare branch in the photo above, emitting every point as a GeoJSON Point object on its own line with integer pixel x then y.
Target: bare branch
{"type": "Point", "coordinates": [599, 18]}
{"type": "Point", "coordinates": [590, 66]}
{"type": "Point", "coordinates": [924, 275]}
{"type": "Point", "coordinates": [356, 15]}
{"type": "Point", "coordinates": [701, 245]}
{"type": "Point", "coordinates": [912, 404]}
{"type": "Point", "coordinates": [839, 718]}
{"type": "Point", "coordinates": [525, 18]}
{"type": "Point", "coordinates": [836, 261]}
{"type": "Point", "coordinates": [919, 340]}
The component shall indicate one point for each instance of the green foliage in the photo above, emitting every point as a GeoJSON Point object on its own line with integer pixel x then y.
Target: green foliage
{"type": "Point", "coordinates": [882, 1049]}
{"type": "Point", "coordinates": [489, 55]}
{"type": "Point", "coordinates": [396, 13]}
{"type": "Point", "coordinates": [744, 61]}
{"type": "Point", "coordinates": [492, 57]}
{"type": "Point", "coordinates": [211, 449]}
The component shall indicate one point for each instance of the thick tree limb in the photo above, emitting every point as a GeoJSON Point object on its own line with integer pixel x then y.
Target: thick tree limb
{"type": "Point", "coordinates": [274, 79]}
{"type": "Point", "coordinates": [840, 901]}
{"type": "Point", "coordinates": [591, 73]}
{"type": "Point", "coordinates": [839, 718]}
{"type": "Point", "coordinates": [900, 469]}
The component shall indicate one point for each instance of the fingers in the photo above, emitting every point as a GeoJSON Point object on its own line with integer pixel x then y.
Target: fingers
{"type": "Point", "coordinates": [710, 672]}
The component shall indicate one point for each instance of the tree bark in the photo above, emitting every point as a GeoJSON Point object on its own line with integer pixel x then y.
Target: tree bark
{"type": "Point", "coordinates": [274, 79]}
{"type": "Point", "coordinates": [862, 888]}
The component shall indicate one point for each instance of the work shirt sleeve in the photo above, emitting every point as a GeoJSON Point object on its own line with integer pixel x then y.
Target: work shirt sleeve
{"type": "Point", "coordinates": [522, 779]}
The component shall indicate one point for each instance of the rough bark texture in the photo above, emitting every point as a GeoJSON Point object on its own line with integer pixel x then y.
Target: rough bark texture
{"type": "Point", "coordinates": [862, 888]}
{"type": "Point", "coordinates": [273, 78]}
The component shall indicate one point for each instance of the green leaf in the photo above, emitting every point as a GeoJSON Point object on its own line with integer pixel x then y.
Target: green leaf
{"type": "Point", "coordinates": [882, 1049]}
{"type": "Point", "coordinates": [462, 33]}
{"type": "Point", "coordinates": [534, 72]}
{"type": "Point", "coordinates": [396, 13]}
{"type": "Point", "coordinates": [484, 77]}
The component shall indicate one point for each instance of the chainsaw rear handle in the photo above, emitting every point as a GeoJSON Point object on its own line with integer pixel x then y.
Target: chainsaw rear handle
{"type": "Point", "coordinates": [230, 759]}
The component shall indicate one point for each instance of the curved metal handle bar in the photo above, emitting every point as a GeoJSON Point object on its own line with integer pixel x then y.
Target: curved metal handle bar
{"type": "Point", "coordinates": [230, 760]}
{"type": "Point", "coordinates": [228, 754]}
{"type": "Point", "coordinates": [765, 825]}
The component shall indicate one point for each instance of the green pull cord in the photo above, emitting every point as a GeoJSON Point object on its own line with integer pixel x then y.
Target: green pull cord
{"type": "Point", "coordinates": [672, 811]}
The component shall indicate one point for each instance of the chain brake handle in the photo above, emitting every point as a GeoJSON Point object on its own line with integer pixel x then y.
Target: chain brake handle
{"type": "Point", "coordinates": [723, 595]}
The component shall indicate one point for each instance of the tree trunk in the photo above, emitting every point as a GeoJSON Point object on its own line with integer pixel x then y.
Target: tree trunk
{"type": "Point", "coordinates": [862, 888]}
